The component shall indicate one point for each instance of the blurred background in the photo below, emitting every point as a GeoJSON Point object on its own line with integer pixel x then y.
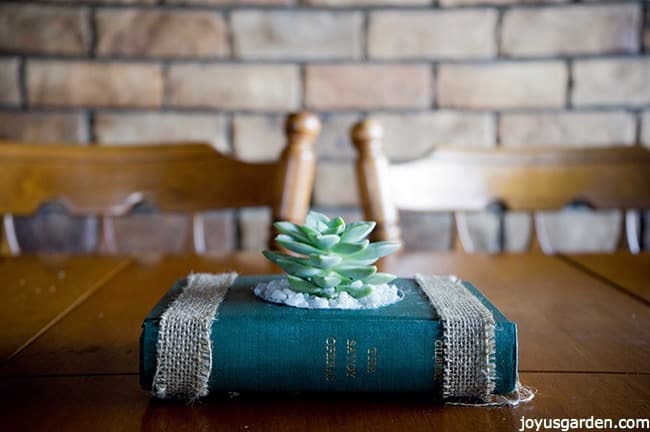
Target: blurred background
{"type": "Point", "coordinates": [482, 73]}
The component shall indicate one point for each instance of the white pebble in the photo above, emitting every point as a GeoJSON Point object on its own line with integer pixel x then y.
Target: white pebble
{"type": "Point", "coordinates": [279, 291]}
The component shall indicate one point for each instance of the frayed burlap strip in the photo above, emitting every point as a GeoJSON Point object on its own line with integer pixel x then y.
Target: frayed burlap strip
{"type": "Point", "coordinates": [184, 350]}
{"type": "Point", "coordinates": [469, 368]}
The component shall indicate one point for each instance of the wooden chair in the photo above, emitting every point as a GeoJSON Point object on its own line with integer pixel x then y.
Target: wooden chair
{"type": "Point", "coordinates": [515, 179]}
{"type": "Point", "coordinates": [110, 181]}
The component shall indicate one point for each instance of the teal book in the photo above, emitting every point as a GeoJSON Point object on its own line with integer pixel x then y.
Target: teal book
{"type": "Point", "coordinates": [259, 346]}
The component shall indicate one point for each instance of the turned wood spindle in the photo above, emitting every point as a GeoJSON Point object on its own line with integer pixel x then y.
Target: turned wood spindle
{"type": "Point", "coordinates": [372, 177]}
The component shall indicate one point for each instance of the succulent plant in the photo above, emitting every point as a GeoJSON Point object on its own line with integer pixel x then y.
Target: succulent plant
{"type": "Point", "coordinates": [335, 257]}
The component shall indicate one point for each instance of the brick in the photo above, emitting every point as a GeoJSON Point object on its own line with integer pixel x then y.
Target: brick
{"type": "Point", "coordinates": [567, 128]}
{"type": "Point", "coordinates": [335, 185]}
{"type": "Point", "coordinates": [220, 230]}
{"type": "Point", "coordinates": [502, 85]}
{"type": "Point", "coordinates": [645, 128]}
{"type": "Point", "coordinates": [592, 29]}
{"type": "Point", "coordinates": [577, 230]}
{"type": "Point", "coordinates": [484, 233]}
{"type": "Point", "coordinates": [466, 33]}
{"type": "Point", "coordinates": [83, 83]}
{"type": "Point", "coordinates": [155, 33]}
{"type": "Point", "coordinates": [348, 3]}
{"type": "Point", "coordinates": [646, 31]}
{"type": "Point", "coordinates": [258, 138]}
{"type": "Point", "coordinates": [495, 2]}
{"type": "Point", "coordinates": [52, 229]}
{"type": "Point", "coordinates": [368, 86]}
{"type": "Point", "coordinates": [156, 127]}
{"type": "Point", "coordinates": [624, 81]}
{"type": "Point", "coordinates": [43, 127]}
{"type": "Point", "coordinates": [425, 231]}
{"type": "Point", "coordinates": [334, 143]}
{"type": "Point", "coordinates": [254, 228]}
{"type": "Point", "coordinates": [410, 136]}
{"type": "Point", "coordinates": [271, 87]}
{"type": "Point", "coordinates": [123, 2]}
{"type": "Point", "coordinates": [9, 89]}
{"type": "Point", "coordinates": [44, 29]}
{"type": "Point", "coordinates": [297, 35]}
{"type": "Point", "coordinates": [232, 2]}
{"type": "Point", "coordinates": [153, 233]}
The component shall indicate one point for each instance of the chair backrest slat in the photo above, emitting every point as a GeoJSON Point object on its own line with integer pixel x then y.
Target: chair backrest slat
{"type": "Point", "coordinates": [452, 179]}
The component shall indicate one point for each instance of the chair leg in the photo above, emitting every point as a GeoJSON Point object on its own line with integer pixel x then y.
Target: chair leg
{"type": "Point", "coordinates": [198, 233]}
{"type": "Point", "coordinates": [463, 237]}
{"type": "Point", "coordinates": [10, 236]}
{"type": "Point", "coordinates": [630, 232]}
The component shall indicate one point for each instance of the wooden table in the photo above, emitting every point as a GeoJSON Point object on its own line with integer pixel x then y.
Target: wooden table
{"type": "Point", "coordinates": [69, 330]}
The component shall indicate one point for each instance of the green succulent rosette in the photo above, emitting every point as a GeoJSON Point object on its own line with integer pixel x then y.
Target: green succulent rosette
{"type": "Point", "coordinates": [335, 257]}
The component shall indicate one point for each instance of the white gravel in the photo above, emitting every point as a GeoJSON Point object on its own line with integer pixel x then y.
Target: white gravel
{"type": "Point", "coordinates": [279, 291]}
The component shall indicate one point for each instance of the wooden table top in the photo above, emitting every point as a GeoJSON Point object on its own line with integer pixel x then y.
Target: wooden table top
{"type": "Point", "coordinates": [70, 327]}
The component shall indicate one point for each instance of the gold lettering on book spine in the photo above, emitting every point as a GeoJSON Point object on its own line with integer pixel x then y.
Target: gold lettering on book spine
{"type": "Point", "coordinates": [330, 358]}
{"type": "Point", "coordinates": [372, 360]}
{"type": "Point", "coordinates": [351, 358]}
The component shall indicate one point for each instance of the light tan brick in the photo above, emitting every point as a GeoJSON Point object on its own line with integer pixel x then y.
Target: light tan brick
{"type": "Point", "coordinates": [335, 185]}
{"type": "Point", "coordinates": [646, 36]}
{"type": "Point", "coordinates": [645, 128]}
{"type": "Point", "coordinates": [334, 143]}
{"type": "Point", "coordinates": [349, 3]}
{"type": "Point", "coordinates": [296, 35]}
{"type": "Point", "coordinates": [410, 136]}
{"type": "Point", "coordinates": [567, 128]}
{"type": "Point", "coordinates": [425, 231]}
{"type": "Point", "coordinates": [84, 83]}
{"type": "Point", "coordinates": [624, 81]}
{"type": "Point", "coordinates": [258, 138]}
{"type": "Point", "coordinates": [232, 2]}
{"type": "Point", "coordinates": [156, 127]}
{"type": "Point", "coordinates": [588, 29]}
{"type": "Point", "coordinates": [220, 232]}
{"type": "Point", "coordinates": [577, 230]}
{"type": "Point", "coordinates": [495, 2]}
{"type": "Point", "coordinates": [368, 86]}
{"type": "Point", "coordinates": [9, 90]}
{"type": "Point", "coordinates": [43, 127]}
{"type": "Point", "coordinates": [462, 33]}
{"type": "Point", "coordinates": [44, 29]}
{"type": "Point", "coordinates": [502, 85]}
{"type": "Point", "coordinates": [155, 33]}
{"type": "Point", "coordinates": [254, 228]}
{"type": "Point", "coordinates": [270, 87]}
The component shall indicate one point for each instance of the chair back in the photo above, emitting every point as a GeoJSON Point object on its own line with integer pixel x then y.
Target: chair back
{"type": "Point", "coordinates": [527, 180]}
{"type": "Point", "coordinates": [110, 181]}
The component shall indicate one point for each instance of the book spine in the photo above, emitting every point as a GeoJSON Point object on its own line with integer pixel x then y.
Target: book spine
{"type": "Point", "coordinates": [331, 355]}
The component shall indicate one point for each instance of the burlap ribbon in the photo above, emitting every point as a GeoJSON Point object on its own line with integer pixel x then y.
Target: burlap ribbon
{"type": "Point", "coordinates": [184, 351]}
{"type": "Point", "coordinates": [469, 367]}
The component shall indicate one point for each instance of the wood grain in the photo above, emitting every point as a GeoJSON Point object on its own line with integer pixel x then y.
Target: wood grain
{"type": "Point", "coordinates": [39, 291]}
{"type": "Point", "coordinates": [568, 320]}
{"type": "Point", "coordinates": [103, 335]}
{"type": "Point", "coordinates": [518, 179]}
{"type": "Point", "coordinates": [625, 271]}
{"type": "Point", "coordinates": [112, 403]}
{"type": "Point", "coordinates": [182, 177]}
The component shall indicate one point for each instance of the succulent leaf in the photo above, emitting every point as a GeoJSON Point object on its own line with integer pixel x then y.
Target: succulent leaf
{"type": "Point", "coordinates": [296, 246]}
{"type": "Point", "coordinates": [335, 257]}
{"type": "Point", "coordinates": [350, 248]}
{"type": "Point", "coordinates": [325, 261]}
{"type": "Point", "coordinates": [357, 231]}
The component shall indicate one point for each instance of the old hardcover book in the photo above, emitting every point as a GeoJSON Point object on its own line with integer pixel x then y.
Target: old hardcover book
{"type": "Point", "coordinates": [260, 346]}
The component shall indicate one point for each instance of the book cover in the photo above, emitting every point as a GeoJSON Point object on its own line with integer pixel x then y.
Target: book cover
{"type": "Point", "coordinates": [259, 346]}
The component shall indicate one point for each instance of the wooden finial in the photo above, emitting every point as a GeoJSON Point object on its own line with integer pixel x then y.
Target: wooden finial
{"type": "Point", "coordinates": [372, 178]}
{"type": "Point", "coordinates": [303, 123]}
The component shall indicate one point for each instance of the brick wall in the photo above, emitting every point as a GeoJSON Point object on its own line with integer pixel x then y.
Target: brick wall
{"type": "Point", "coordinates": [461, 72]}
